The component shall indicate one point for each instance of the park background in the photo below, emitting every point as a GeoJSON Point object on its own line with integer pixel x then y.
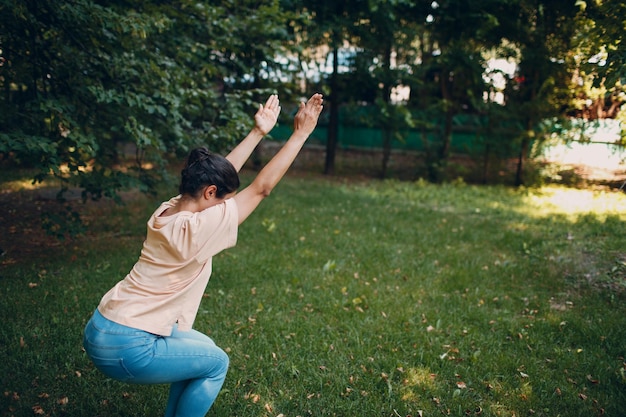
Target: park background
{"type": "Point", "coordinates": [434, 250]}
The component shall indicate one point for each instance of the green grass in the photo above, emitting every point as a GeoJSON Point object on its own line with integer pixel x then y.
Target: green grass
{"type": "Point", "coordinates": [357, 299]}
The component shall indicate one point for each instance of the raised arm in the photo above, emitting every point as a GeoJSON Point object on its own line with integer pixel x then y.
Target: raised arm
{"type": "Point", "coordinates": [264, 120]}
{"type": "Point", "coordinates": [304, 124]}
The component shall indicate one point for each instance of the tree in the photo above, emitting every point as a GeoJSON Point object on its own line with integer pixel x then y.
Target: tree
{"type": "Point", "coordinates": [330, 28]}
{"type": "Point", "coordinates": [80, 80]}
{"type": "Point", "coordinates": [449, 72]}
{"type": "Point", "coordinates": [600, 61]}
{"type": "Point", "coordinates": [386, 38]}
{"type": "Point", "coordinates": [543, 32]}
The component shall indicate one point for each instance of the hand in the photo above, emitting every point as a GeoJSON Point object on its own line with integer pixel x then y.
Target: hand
{"type": "Point", "coordinates": [308, 114]}
{"type": "Point", "coordinates": [266, 117]}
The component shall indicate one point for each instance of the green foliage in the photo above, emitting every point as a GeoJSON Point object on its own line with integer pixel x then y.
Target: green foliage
{"type": "Point", "coordinates": [87, 86]}
{"type": "Point", "coordinates": [380, 298]}
{"type": "Point", "coordinates": [440, 50]}
{"type": "Point", "coordinates": [603, 53]}
{"type": "Point", "coordinates": [82, 84]}
{"type": "Point", "coordinates": [62, 224]}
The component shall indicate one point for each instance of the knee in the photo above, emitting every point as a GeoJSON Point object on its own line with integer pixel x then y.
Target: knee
{"type": "Point", "coordinates": [222, 361]}
{"type": "Point", "coordinates": [226, 361]}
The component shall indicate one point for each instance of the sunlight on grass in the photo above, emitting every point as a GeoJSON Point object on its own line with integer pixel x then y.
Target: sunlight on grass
{"type": "Point", "coordinates": [417, 378]}
{"type": "Point", "coordinates": [28, 184]}
{"type": "Point", "coordinates": [572, 202]}
{"type": "Point", "coordinates": [501, 410]}
{"type": "Point", "coordinates": [19, 185]}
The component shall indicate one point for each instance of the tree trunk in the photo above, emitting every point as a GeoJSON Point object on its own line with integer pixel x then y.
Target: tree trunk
{"type": "Point", "coordinates": [446, 143]}
{"type": "Point", "coordinates": [488, 133]}
{"type": "Point", "coordinates": [333, 122]}
{"type": "Point", "coordinates": [486, 154]}
{"type": "Point", "coordinates": [387, 126]}
{"type": "Point", "coordinates": [519, 174]}
{"type": "Point", "coordinates": [437, 166]}
{"type": "Point", "coordinates": [257, 153]}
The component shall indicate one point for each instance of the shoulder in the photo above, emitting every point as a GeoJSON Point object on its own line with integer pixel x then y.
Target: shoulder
{"type": "Point", "coordinates": [224, 212]}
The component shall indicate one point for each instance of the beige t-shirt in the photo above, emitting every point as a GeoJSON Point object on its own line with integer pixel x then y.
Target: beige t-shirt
{"type": "Point", "coordinates": [167, 283]}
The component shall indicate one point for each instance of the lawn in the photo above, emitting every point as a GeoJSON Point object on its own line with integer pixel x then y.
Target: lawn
{"type": "Point", "coordinates": [372, 298]}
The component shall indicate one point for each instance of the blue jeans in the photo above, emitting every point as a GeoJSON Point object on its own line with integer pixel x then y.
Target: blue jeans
{"type": "Point", "coordinates": [190, 361]}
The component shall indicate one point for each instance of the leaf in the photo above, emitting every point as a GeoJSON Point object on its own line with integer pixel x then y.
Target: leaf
{"type": "Point", "coordinates": [329, 266]}
{"type": "Point", "coordinates": [252, 397]}
{"type": "Point", "coordinates": [269, 225]}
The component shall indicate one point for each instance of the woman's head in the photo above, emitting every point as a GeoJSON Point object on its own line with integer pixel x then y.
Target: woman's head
{"type": "Point", "coordinates": [204, 168]}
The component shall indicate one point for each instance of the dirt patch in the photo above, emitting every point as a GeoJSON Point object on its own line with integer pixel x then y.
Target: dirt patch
{"type": "Point", "coordinates": [21, 233]}
{"type": "Point", "coordinates": [25, 233]}
{"type": "Point", "coordinates": [583, 175]}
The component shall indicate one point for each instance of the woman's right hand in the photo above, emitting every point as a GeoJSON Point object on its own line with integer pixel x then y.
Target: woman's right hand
{"type": "Point", "coordinates": [266, 117]}
{"type": "Point", "coordinates": [308, 114]}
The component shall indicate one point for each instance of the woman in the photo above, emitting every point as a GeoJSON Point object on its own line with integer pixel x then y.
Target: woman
{"type": "Point", "coordinates": [141, 331]}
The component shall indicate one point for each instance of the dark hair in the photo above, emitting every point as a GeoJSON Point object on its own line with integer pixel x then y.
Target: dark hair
{"type": "Point", "coordinates": [204, 168]}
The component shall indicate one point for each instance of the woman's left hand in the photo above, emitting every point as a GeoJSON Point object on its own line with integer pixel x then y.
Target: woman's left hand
{"type": "Point", "coordinates": [266, 117]}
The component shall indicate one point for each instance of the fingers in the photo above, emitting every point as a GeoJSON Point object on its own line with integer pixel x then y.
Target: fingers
{"type": "Point", "coordinates": [313, 105]}
{"type": "Point", "coordinates": [316, 102]}
{"type": "Point", "coordinates": [315, 99]}
{"type": "Point", "coordinates": [272, 102]}
{"type": "Point", "coordinates": [308, 114]}
{"type": "Point", "coordinates": [272, 105]}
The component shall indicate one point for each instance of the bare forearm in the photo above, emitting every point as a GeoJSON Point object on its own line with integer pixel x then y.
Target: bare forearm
{"type": "Point", "coordinates": [276, 168]}
{"type": "Point", "coordinates": [304, 124]}
{"type": "Point", "coordinates": [240, 154]}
